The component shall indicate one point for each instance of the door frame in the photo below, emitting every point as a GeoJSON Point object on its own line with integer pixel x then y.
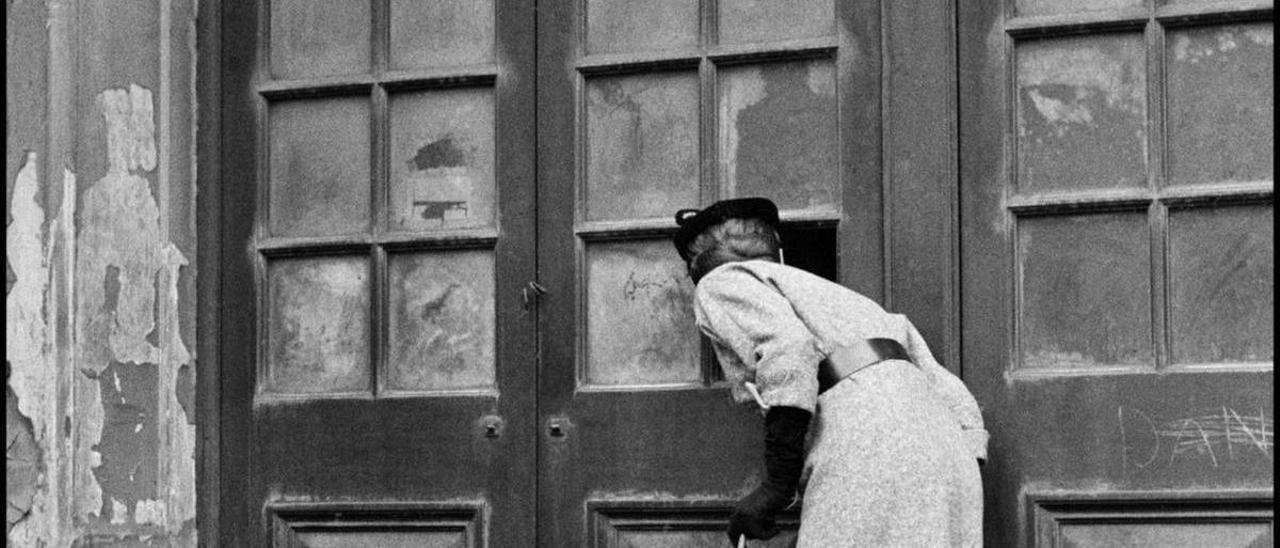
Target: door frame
{"type": "Point", "coordinates": [209, 200]}
{"type": "Point", "coordinates": [225, 46]}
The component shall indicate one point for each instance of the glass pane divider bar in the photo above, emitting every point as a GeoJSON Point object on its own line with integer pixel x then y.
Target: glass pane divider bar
{"type": "Point", "coordinates": [689, 58]}
{"type": "Point", "coordinates": [466, 75]}
{"type": "Point", "coordinates": [277, 246]}
{"type": "Point", "coordinates": [1247, 192]}
{"type": "Point", "coordinates": [1126, 19]}
{"type": "Point", "coordinates": [599, 230]}
{"type": "Point", "coordinates": [1216, 11]}
{"type": "Point", "coordinates": [1136, 18]}
{"type": "Point", "coordinates": [790, 49]}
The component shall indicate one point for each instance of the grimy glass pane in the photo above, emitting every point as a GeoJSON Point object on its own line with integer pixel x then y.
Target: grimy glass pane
{"type": "Point", "coordinates": [1220, 104]}
{"type": "Point", "coordinates": [642, 138]}
{"type": "Point", "coordinates": [1057, 7]}
{"type": "Point", "coordinates": [1222, 284]}
{"type": "Point", "coordinates": [319, 167]}
{"type": "Point", "coordinates": [1086, 291]}
{"type": "Point", "coordinates": [746, 21]}
{"type": "Point", "coordinates": [442, 314]}
{"type": "Point", "coordinates": [617, 26]}
{"type": "Point", "coordinates": [448, 33]}
{"type": "Point", "coordinates": [778, 135]}
{"type": "Point", "coordinates": [311, 38]}
{"type": "Point", "coordinates": [318, 325]}
{"type": "Point", "coordinates": [640, 327]}
{"type": "Point", "coordinates": [1081, 113]}
{"type": "Point", "coordinates": [1167, 535]}
{"type": "Point", "coordinates": [659, 538]}
{"type": "Point", "coordinates": [442, 161]}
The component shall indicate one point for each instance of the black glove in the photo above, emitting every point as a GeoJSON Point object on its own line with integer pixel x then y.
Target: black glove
{"type": "Point", "coordinates": [785, 430]}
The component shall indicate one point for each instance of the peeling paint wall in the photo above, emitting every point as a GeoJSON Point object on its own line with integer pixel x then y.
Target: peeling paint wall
{"type": "Point", "coordinates": [100, 289]}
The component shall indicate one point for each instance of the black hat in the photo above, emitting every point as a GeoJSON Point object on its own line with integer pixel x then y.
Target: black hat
{"type": "Point", "coordinates": [692, 222]}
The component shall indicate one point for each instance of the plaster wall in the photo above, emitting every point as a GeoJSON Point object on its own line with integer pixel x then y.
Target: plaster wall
{"type": "Point", "coordinates": [100, 273]}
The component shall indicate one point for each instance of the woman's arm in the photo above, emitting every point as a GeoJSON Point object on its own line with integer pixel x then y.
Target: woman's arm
{"type": "Point", "coordinates": [750, 318]}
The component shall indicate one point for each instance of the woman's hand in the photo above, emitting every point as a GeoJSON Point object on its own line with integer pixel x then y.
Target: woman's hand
{"type": "Point", "coordinates": [784, 433]}
{"type": "Point", "coordinates": [753, 515]}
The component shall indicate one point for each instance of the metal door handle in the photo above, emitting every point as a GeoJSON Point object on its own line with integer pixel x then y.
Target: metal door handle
{"type": "Point", "coordinates": [531, 292]}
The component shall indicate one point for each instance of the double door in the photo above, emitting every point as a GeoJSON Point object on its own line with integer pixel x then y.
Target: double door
{"type": "Point", "coordinates": [451, 314]}
{"type": "Point", "coordinates": [1118, 268]}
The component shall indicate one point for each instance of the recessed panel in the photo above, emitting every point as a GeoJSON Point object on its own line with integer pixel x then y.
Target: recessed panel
{"type": "Point", "coordinates": [314, 38]}
{"type": "Point", "coordinates": [1166, 535]}
{"type": "Point", "coordinates": [1058, 7]}
{"type": "Point", "coordinates": [448, 33]}
{"type": "Point", "coordinates": [673, 524]}
{"type": "Point", "coordinates": [777, 131]}
{"type": "Point", "coordinates": [319, 167]}
{"type": "Point", "coordinates": [642, 141]}
{"type": "Point", "coordinates": [1081, 108]}
{"type": "Point", "coordinates": [441, 331]}
{"type": "Point", "coordinates": [383, 539]}
{"type": "Point", "coordinates": [748, 21]}
{"type": "Point", "coordinates": [694, 539]}
{"type": "Point", "coordinates": [442, 159]}
{"type": "Point", "coordinates": [640, 327]}
{"type": "Point", "coordinates": [318, 325]}
{"type": "Point", "coordinates": [1086, 291]}
{"type": "Point", "coordinates": [1186, 2]}
{"type": "Point", "coordinates": [617, 26]}
{"type": "Point", "coordinates": [1222, 284]}
{"type": "Point", "coordinates": [1221, 102]}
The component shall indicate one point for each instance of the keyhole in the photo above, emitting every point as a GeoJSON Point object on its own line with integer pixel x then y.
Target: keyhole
{"type": "Point", "coordinates": [556, 428]}
{"type": "Point", "coordinates": [492, 426]}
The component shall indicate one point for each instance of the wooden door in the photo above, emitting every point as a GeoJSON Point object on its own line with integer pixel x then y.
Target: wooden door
{"type": "Point", "coordinates": [645, 108]}
{"type": "Point", "coordinates": [1118, 278]}
{"type": "Point", "coordinates": [378, 360]}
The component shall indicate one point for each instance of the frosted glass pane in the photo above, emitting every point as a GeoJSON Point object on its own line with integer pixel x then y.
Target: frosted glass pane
{"type": "Point", "coordinates": [441, 33]}
{"type": "Point", "coordinates": [778, 136]}
{"type": "Point", "coordinates": [318, 325]}
{"type": "Point", "coordinates": [319, 167]}
{"type": "Point", "coordinates": [313, 38]}
{"type": "Point", "coordinates": [1222, 284]}
{"type": "Point", "coordinates": [617, 26]}
{"type": "Point", "coordinates": [746, 21]}
{"type": "Point", "coordinates": [1082, 113]}
{"type": "Point", "coordinates": [640, 327]}
{"type": "Point", "coordinates": [1221, 104]}
{"type": "Point", "coordinates": [442, 320]}
{"type": "Point", "coordinates": [442, 160]}
{"type": "Point", "coordinates": [642, 138]}
{"type": "Point", "coordinates": [1086, 291]}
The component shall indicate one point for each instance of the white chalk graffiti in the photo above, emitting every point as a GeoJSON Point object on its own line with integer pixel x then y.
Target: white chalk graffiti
{"type": "Point", "coordinates": [1222, 435]}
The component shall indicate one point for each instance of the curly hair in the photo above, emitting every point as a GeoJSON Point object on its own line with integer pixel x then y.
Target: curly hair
{"type": "Point", "coordinates": [736, 239]}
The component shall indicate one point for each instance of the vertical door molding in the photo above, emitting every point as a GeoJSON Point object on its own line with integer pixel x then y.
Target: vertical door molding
{"type": "Point", "coordinates": [920, 172]}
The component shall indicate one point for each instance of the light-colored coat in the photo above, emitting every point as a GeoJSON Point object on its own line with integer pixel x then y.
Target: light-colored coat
{"type": "Point", "coordinates": [894, 448]}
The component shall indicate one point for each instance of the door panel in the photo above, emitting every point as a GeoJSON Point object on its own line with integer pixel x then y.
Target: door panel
{"type": "Point", "coordinates": [1125, 376]}
{"type": "Point", "coordinates": [378, 356]}
{"type": "Point", "coordinates": [643, 112]}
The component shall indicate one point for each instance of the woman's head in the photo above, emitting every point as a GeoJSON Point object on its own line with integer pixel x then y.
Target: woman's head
{"type": "Point", "coordinates": [740, 229]}
{"type": "Point", "coordinates": [734, 239]}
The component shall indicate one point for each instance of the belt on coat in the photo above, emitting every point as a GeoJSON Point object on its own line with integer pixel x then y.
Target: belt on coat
{"type": "Point", "coordinates": [848, 360]}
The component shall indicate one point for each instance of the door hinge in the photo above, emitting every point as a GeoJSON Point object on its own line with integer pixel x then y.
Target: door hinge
{"type": "Point", "coordinates": [531, 293]}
